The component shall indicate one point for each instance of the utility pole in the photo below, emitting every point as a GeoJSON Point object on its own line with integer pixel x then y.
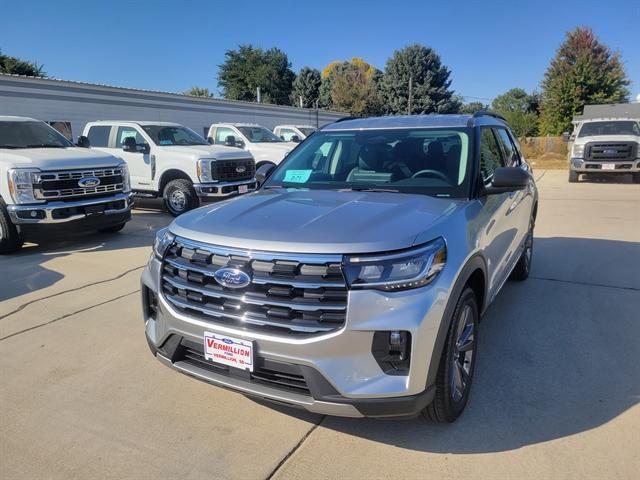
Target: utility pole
{"type": "Point", "coordinates": [258, 94]}
{"type": "Point", "coordinates": [317, 113]}
{"type": "Point", "coordinates": [300, 97]}
{"type": "Point", "coordinates": [410, 94]}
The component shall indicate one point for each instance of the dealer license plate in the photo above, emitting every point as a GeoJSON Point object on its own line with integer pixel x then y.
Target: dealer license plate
{"type": "Point", "coordinates": [243, 188]}
{"type": "Point", "coordinates": [608, 166]}
{"type": "Point", "coordinates": [228, 351]}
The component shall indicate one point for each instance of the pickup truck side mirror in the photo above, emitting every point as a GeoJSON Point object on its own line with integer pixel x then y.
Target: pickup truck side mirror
{"type": "Point", "coordinates": [83, 142]}
{"type": "Point", "coordinates": [230, 141]}
{"type": "Point", "coordinates": [295, 139]}
{"type": "Point", "coordinates": [210, 140]}
{"type": "Point", "coordinates": [508, 179]}
{"type": "Point", "coordinates": [130, 145]}
{"type": "Point", "coordinates": [264, 172]}
{"type": "Point", "coordinates": [565, 137]}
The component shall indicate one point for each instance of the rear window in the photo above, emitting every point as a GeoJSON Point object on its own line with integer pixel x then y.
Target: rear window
{"type": "Point", "coordinates": [99, 135]}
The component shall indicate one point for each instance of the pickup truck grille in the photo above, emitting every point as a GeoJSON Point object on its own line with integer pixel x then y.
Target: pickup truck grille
{"type": "Point", "coordinates": [611, 151]}
{"type": "Point", "coordinates": [65, 184]}
{"type": "Point", "coordinates": [288, 294]}
{"type": "Point", "coordinates": [233, 170]}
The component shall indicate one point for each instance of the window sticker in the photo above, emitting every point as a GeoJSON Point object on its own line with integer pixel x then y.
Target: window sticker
{"type": "Point", "coordinates": [297, 176]}
{"type": "Point", "coordinates": [165, 142]}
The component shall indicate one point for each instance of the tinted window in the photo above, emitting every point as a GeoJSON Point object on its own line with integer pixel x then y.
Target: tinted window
{"type": "Point", "coordinates": [222, 133]}
{"type": "Point", "coordinates": [509, 149]}
{"type": "Point", "coordinates": [64, 128]}
{"type": "Point", "coordinates": [170, 135]}
{"type": "Point", "coordinates": [124, 132]}
{"type": "Point", "coordinates": [490, 157]}
{"type": "Point", "coordinates": [259, 134]}
{"type": "Point", "coordinates": [99, 135]}
{"type": "Point", "coordinates": [422, 161]}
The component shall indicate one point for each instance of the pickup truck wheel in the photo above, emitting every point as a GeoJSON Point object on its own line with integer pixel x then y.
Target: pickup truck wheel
{"type": "Point", "coordinates": [457, 364]}
{"type": "Point", "coordinates": [573, 176]}
{"type": "Point", "coordinates": [10, 238]}
{"type": "Point", "coordinates": [179, 197]}
{"type": "Point", "coordinates": [114, 229]}
{"type": "Point", "coordinates": [636, 178]}
{"type": "Point", "coordinates": [523, 267]}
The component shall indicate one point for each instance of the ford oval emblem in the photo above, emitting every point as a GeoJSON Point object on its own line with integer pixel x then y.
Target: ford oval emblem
{"type": "Point", "coordinates": [241, 169]}
{"type": "Point", "coordinates": [227, 341]}
{"type": "Point", "coordinates": [88, 182]}
{"type": "Point", "coordinates": [609, 152]}
{"type": "Point", "coordinates": [232, 278]}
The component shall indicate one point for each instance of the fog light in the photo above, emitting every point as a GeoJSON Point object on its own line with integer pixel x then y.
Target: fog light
{"type": "Point", "coordinates": [392, 351]}
{"type": "Point", "coordinates": [151, 303]}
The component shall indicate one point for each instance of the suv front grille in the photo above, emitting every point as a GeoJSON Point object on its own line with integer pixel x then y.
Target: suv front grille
{"type": "Point", "coordinates": [64, 184]}
{"type": "Point", "coordinates": [233, 170]}
{"type": "Point", "coordinates": [612, 151]}
{"type": "Point", "coordinates": [288, 294]}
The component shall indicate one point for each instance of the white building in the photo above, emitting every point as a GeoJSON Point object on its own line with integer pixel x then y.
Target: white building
{"type": "Point", "coordinates": [70, 105]}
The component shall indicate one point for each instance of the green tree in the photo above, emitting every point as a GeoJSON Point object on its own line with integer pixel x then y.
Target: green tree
{"type": "Point", "coordinates": [430, 81]}
{"type": "Point", "coordinates": [199, 92]}
{"type": "Point", "coordinates": [16, 66]}
{"type": "Point", "coordinates": [583, 71]}
{"type": "Point", "coordinates": [473, 107]}
{"type": "Point", "coordinates": [355, 90]}
{"type": "Point", "coordinates": [519, 109]}
{"type": "Point", "coordinates": [248, 68]}
{"type": "Point", "coordinates": [307, 86]}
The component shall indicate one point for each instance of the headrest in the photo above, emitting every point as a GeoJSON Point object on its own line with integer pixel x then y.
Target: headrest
{"type": "Point", "coordinates": [372, 157]}
{"type": "Point", "coordinates": [435, 149]}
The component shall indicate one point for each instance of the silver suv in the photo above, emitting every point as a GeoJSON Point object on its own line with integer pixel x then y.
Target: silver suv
{"type": "Point", "coordinates": [352, 282]}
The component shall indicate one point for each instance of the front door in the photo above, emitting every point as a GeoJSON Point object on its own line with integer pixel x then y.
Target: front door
{"type": "Point", "coordinates": [139, 162]}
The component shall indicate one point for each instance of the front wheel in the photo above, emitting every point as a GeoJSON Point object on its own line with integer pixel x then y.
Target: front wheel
{"type": "Point", "coordinates": [10, 238]}
{"type": "Point", "coordinates": [455, 372]}
{"type": "Point", "coordinates": [573, 176]}
{"type": "Point", "coordinates": [523, 267]}
{"type": "Point", "coordinates": [636, 178]}
{"type": "Point", "coordinates": [180, 196]}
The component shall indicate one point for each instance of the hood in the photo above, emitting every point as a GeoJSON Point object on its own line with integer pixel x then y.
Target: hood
{"type": "Point", "coordinates": [274, 152]}
{"type": "Point", "coordinates": [57, 158]}
{"type": "Point", "coordinates": [206, 151]}
{"type": "Point", "coordinates": [607, 138]}
{"type": "Point", "coordinates": [315, 221]}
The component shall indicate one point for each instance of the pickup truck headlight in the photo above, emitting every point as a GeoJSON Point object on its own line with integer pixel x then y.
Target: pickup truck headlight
{"type": "Point", "coordinates": [204, 170]}
{"type": "Point", "coordinates": [21, 182]}
{"type": "Point", "coordinates": [397, 271]}
{"type": "Point", "coordinates": [164, 239]}
{"type": "Point", "coordinates": [577, 151]}
{"type": "Point", "coordinates": [126, 180]}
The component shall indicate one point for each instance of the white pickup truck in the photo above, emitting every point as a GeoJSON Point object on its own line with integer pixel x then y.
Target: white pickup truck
{"type": "Point", "coordinates": [267, 148]}
{"type": "Point", "coordinates": [171, 161]}
{"type": "Point", "coordinates": [47, 183]}
{"type": "Point", "coordinates": [293, 133]}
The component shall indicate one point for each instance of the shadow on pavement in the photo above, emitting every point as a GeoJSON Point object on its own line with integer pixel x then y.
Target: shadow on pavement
{"type": "Point", "coordinates": [556, 358]}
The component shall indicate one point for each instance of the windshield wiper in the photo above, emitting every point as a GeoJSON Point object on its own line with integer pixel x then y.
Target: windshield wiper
{"type": "Point", "coordinates": [45, 145]}
{"type": "Point", "coordinates": [363, 188]}
{"type": "Point", "coordinates": [12, 147]}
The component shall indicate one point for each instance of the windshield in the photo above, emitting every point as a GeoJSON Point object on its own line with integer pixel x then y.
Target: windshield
{"type": "Point", "coordinates": [259, 135]}
{"type": "Point", "coordinates": [170, 135]}
{"type": "Point", "coordinates": [31, 135]}
{"type": "Point", "coordinates": [306, 131]}
{"type": "Point", "coordinates": [426, 161]}
{"type": "Point", "coordinates": [590, 129]}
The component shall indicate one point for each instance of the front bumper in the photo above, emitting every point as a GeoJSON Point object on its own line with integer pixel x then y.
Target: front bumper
{"type": "Point", "coordinates": [217, 190]}
{"type": "Point", "coordinates": [343, 377]}
{"type": "Point", "coordinates": [59, 212]}
{"type": "Point", "coordinates": [619, 167]}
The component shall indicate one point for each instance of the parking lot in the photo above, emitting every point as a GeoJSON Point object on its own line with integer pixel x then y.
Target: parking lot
{"type": "Point", "coordinates": [555, 395]}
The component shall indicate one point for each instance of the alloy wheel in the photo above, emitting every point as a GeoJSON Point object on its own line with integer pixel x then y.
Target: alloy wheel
{"type": "Point", "coordinates": [463, 350]}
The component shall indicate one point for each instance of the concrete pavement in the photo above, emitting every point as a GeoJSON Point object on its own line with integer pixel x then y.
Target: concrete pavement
{"type": "Point", "coordinates": [555, 395]}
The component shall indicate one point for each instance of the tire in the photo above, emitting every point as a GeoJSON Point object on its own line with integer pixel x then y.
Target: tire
{"type": "Point", "coordinates": [179, 197]}
{"type": "Point", "coordinates": [523, 267]}
{"type": "Point", "coordinates": [114, 229]}
{"type": "Point", "coordinates": [455, 372]}
{"type": "Point", "coordinates": [10, 238]}
{"type": "Point", "coordinates": [636, 178]}
{"type": "Point", "coordinates": [574, 177]}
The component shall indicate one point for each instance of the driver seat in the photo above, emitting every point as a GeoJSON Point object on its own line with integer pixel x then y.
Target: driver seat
{"type": "Point", "coordinates": [371, 165]}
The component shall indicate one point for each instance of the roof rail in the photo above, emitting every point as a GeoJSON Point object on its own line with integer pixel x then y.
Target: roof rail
{"type": "Point", "coordinates": [344, 119]}
{"type": "Point", "coordinates": [483, 113]}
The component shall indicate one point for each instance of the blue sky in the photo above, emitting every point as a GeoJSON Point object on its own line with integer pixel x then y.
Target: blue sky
{"type": "Point", "coordinates": [490, 46]}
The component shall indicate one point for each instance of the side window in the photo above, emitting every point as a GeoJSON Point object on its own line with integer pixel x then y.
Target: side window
{"type": "Point", "coordinates": [124, 132]}
{"type": "Point", "coordinates": [99, 135]}
{"type": "Point", "coordinates": [510, 152]}
{"type": "Point", "coordinates": [287, 134]}
{"type": "Point", "coordinates": [64, 128]}
{"type": "Point", "coordinates": [222, 133]}
{"type": "Point", "coordinates": [490, 157]}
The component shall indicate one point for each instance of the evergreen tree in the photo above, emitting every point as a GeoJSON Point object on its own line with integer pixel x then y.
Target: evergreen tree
{"type": "Point", "coordinates": [306, 86]}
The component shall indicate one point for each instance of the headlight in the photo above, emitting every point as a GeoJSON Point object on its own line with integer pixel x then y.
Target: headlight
{"type": "Point", "coordinates": [21, 181]}
{"type": "Point", "coordinates": [577, 151]}
{"type": "Point", "coordinates": [397, 271]}
{"type": "Point", "coordinates": [126, 180]}
{"type": "Point", "coordinates": [204, 169]}
{"type": "Point", "coordinates": [164, 239]}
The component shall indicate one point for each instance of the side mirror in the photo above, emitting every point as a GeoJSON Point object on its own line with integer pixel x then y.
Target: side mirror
{"type": "Point", "coordinates": [210, 140]}
{"type": "Point", "coordinates": [565, 137]}
{"type": "Point", "coordinates": [230, 141]}
{"type": "Point", "coordinates": [508, 179]}
{"type": "Point", "coordinates": [295, 139]}
{"type": "Point", "coordinates": [145, 148]}
{"type": "Point", "coordinates": [83, 142]}
{"type": "Point", "coordinates": [264, 172]}
{"type": "Point", "coordinates": [130, 145]}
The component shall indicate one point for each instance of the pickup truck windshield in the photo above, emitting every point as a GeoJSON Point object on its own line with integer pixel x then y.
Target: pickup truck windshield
{"type": "Point", "coordinates": [424, 161]}
{"type": "Point", "coordinates": [306, 131]}
{"type": "Point", "coordinates": [591, 129]}
{"type": "Point", "coordinates": [259, 135]}
{"type": "Point", "coordinates": [30, 135]}
{"type": "Point", "coordinates": [170, 135]}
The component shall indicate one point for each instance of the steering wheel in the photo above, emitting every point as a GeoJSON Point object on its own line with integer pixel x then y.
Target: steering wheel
{"type": "Point", "coordinates": [431, 173]}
